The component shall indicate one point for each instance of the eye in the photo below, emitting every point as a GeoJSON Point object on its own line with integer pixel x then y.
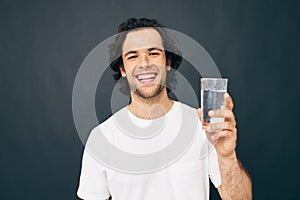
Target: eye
{"type": "Point", "coordinates": [131, 57]}
{"type": "Point", "coordinates": [154, 54]}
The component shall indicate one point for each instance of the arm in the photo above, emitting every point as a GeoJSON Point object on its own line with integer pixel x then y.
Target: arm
{"type": "Point", "coordinates": [93, 180]}
{"type": "Point", "coordinates": [236, 183]}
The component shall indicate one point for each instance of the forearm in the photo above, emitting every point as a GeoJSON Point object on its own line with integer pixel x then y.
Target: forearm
{"type": "Point", "coordinates": [236, 183]}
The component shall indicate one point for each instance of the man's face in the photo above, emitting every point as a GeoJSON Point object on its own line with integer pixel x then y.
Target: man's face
{"type": "Point", "coordinates": [144, 62]}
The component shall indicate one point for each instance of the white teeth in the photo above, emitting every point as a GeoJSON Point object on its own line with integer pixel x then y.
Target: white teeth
{"type": "Point", "coordinates": [146, 76]}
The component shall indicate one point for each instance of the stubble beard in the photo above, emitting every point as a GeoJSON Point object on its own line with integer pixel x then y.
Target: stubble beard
{"type": "Point", "coordinates": [143, 94]}
{"type": "Point", "coordinates": [147, 96]}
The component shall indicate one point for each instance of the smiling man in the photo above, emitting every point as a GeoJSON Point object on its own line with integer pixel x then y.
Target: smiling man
{"type": "Point", "coordinates": [144, 48]}
{"type": "Point", "coordinates": [144, 66]}
{"type": "Point", "coordinates": [140, 58]}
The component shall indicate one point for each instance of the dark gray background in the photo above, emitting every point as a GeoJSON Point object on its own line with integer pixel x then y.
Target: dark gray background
{"type": "Point", "coordinates": [254, 43]}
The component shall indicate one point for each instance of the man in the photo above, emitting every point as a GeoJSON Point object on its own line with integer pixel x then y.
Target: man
{"type": "Point", "coordinates": [146, 65]}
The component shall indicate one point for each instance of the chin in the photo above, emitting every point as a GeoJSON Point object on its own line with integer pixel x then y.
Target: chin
{"type": "Point", "coordinates": [151, 94]}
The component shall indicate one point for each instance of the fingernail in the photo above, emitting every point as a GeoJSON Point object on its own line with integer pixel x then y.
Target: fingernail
{"type": "Point", "coordinates": [211, 113]}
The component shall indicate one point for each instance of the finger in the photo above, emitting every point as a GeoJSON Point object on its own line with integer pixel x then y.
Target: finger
{"type": "Point", "coordinates": [213, 137]}
{"type": "Point", "coordinates": [227, 114]}
{"type": "Point", "coordinates": [228, 101]}
{"type": "Point", "coordinates": [222, 134]}
{"type": "Point", "coordinates": [217, 127]}
{"type": "Point", "coordinates": [217, 113]}
{"type": "Point", "coordinates": [213, 128]}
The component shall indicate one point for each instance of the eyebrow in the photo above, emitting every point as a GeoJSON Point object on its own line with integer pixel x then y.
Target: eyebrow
{"type": "Point", "coordinates": [150, 49]}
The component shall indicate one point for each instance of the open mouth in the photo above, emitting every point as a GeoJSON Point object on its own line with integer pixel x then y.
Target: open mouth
{"type": "Point", "coordinates": [146, 79]}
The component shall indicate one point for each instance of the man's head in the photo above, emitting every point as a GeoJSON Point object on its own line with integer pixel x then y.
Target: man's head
{"type": "Point", "coordinates": [143, 55]}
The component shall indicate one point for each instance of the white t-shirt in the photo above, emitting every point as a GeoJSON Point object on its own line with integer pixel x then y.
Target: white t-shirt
{"type": "Point", "coordinates": [185, 178]}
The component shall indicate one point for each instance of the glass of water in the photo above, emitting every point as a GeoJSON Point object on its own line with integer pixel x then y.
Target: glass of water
{"type": "Point", "coordinates": [212, 97]}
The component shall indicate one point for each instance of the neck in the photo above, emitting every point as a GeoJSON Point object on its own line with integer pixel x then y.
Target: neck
{"type": "Point", "coordinates": [151, 108]}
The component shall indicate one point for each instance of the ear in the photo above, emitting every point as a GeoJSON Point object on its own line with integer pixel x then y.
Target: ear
{"type": "Point", "coordinates": [122, 70]}
{"type": "Point", "coordinates": [168, 63]}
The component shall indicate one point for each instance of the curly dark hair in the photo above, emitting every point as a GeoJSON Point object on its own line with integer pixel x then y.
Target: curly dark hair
{"type": "Point", "coordinates": [173, 55]}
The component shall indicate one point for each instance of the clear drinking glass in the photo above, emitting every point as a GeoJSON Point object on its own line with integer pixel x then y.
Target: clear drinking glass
{"type": "Point", "coordinates": [212, 97]}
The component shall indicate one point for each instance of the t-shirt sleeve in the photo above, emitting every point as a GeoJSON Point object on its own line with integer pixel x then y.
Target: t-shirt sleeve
{"type": "Point", "coordinates": [213, 167]}
{"type": "Point", "coordinates": [93, 182]}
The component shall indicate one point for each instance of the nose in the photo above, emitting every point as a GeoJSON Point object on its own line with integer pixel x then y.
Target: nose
{"type": "Point", "coordinates": [144, 60]}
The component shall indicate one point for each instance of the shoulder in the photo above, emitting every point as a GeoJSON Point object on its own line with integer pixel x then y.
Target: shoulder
{"type": "Point", "coordinates": [186, 107]}
{"type": "Point", "coordinates": [189, 112]}
{"type": "Point", "coordinates": [109, 124]}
